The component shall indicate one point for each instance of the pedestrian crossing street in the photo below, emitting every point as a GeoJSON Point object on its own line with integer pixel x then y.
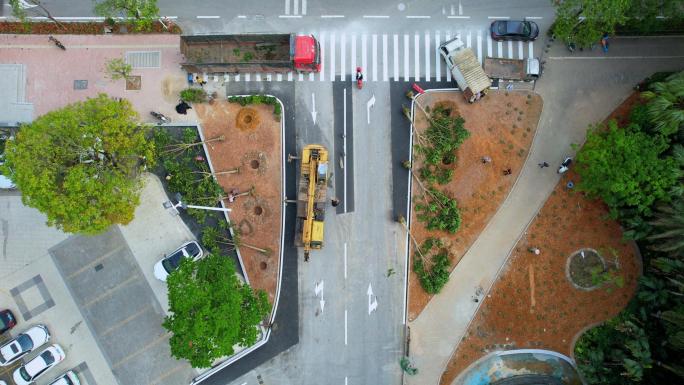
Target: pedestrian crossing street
{"type": "Point", "coordinates": [389, 57]}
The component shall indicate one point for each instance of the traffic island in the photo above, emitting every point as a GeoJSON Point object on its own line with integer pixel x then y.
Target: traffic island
{"type": "Point", "coordinates": [479, 175]}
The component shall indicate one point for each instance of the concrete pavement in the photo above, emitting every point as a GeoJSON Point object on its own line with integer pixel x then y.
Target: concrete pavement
{"type": "Point", "coordinates": [576, 93]}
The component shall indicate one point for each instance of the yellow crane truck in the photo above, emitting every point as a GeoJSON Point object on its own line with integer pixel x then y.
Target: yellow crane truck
{"type": "Point", "coordinates": [311, 198]}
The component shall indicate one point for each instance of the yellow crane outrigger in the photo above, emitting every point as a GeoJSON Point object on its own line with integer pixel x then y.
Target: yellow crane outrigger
{"type": "Point", "coordinates": [311, 198]}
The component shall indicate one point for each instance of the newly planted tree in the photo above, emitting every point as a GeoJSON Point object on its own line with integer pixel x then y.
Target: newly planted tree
{"type": "Point", "coordinates": [80, 165]}
{"type": "Point", "coordinates": [117, 68]}
{"type": "Point", "coordinates": [211, 310]}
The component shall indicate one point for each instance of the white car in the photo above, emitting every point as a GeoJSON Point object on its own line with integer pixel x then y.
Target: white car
{"type": "Point", "coordinates": [23, 344]}
{"type": "Point", "coordinates": [40, 364]}
{"type": "Point", "coordinates": [68, 378]}
{"type": "Point", "coordinates": [166, 266]}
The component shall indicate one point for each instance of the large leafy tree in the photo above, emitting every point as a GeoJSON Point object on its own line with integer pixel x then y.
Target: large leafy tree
{"type": "Point", "coordinates": [141, 12]}
{"type": "Point", "coordinates": [625, 168]}
{"type": "Point", "coordinates": [585, 21]}
{"type": "Point", "coordinates": [668, 228]}
{"type": "Point", "coordinates": [666, 104]}
{"type": "Point", "coordinates": [211, 310]}
{"type": "Point", "coordinates": [80, 165]}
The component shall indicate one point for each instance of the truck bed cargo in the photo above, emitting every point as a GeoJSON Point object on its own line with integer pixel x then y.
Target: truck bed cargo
{"type": "Point", "coordinates": [512, 69]}
{"type": "Point", "coordinates": [465, 69]}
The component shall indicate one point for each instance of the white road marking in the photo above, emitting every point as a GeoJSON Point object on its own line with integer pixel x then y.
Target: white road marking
{"type": "Point", "coordinates": [296, 7]}
{"type": "Point", "coordinates": [510, 49]}
{"type": "Point", "coordinates": [479, 46]}
{"type": "Point", "coordinates": [448, 72]}
{"type": "Point", "coordinates": [416, 56]}
{"type": "Point", "coordinates": [374, 40]}
{"type": "Point", "coordinates": [237, 78]}
{"type": "Point", "coordinates": [353, 57]}
{"type": "Point", "coordinates": [314, 113]}
{"type": "Point", "coordinates": [533, 17]}
{"type": "Point", "coordinates": [279, 77]}
{"type": "Point", "coordinates": [290, 75]}
{"type": "Point", "coordinates": [332, 57]}
{"type": "Point", "coordinates": [460, 8]}
{"type": "Point", "coordinates": [418, 17]}
{"type": "Point", "coordinates": [530, 49]}
{"type": "Point", "coordinates": [489, 45]}
{"type": "Point", "coordinates": [323, 63]}
{"type": "Point", "coordinates": [332, 16]}
{"type": "Point", "coordinates": [521, 50]}
{"type": "Point", "coordinates": [499, 17]}
{"type": "Point", "coordinates": [208, 17]}
{"type": "Point", "coordinates": [395, 51]}
{"type": "Point", "coordinates": [499, 46]}
{"type": "Point", "coordinates": [290, 16]}
{"type": "Point", "coordinates": [345, 334]}
{"type": "Point", "coordinates": [345, 244]}
{"type": "Point", "coordinates": [343, 57]}
{"type": "Point", "coordinates": [318, 287]}
{"type": "Point", "coordinates": [385, 59]}
{"type": "Point", "coordinates": [376, 17]}
{"type": "Point", "coordinates": [258, 77]}
{"type": "Point", "coordinates": [303, 7]}
{"type": "Point", "coordinates": [406, 58]}
{"type": "Point", "coordinates": [242, 16]}
{"type": "Point", "coordinates": [427, 56]}
{"type": "Point", "coordinates": [287, 7]}
{"type": "Point", "coordinates": [438, 59]}
{"type": "Point", "coordinates": [372, 302]}
{"type": "Point", "coordinates": [364, 55]}
{"type": "Point", "coordinates": [344, 164]}
{"type": "Point", "coordinates": [458, 17]}
{"type": "Point", "coordinates": [369, 104]}
{"type": "Point", "coordinates": [247, 77]}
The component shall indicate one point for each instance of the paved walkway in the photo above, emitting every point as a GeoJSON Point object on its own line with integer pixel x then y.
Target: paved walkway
{"type": "Point", "coordinates": [51, 72]}
{"type": "Point", "coordinates": [577, 91]}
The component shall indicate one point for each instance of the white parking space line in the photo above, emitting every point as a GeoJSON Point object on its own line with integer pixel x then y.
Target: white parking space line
{"type": "Point", "coordinates": [521, 50]}
{"type": "Point", "coordinates": [395, 51]}
{"type": "Point", "coordinates": [489, 46]}
{"type": "Point", "coordinates": [479, 46]}
{"type": "Point", "coordinates": [499, 46]}
{"type": "Point", "coordinates": [332, 56]}
{"type": "Point", "coordinates": [416, 57]}
{"type": "Point", "coordinates": [385, 59]}
{"type": "Point", "coordinates": [510, 49]}
{"type": "Point", "coordinates": [427, 56]}
{"type": "Point", "coordinates": [530, 49]}
{"type": "Point", "coordinates": [323, 61]}
{"type": "Point", "coordinates": [374, 40]}
{"type": "Point", "coordinates": [364, 54]}
{"type": "Point", "coordinates": [438, 59]}
{"type": "Point", "coordinates": [353, 56]}
{"type": "Point", "coordinates": [448, 73]}
{"type": "Point", "coordinates": [406, 58]}
{"type": "Point", "coordinates": [343, 57]}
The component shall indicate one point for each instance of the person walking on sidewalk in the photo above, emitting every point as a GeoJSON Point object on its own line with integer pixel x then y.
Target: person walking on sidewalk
{"type": "Point", "coordinates": [543, 164]}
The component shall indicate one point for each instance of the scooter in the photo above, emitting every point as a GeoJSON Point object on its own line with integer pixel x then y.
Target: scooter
{"type": "Point", "coordinates": [160, 116]}
{"type": "Point", "coordinates": [359, 78]}
{"type": "Point", "coordinates": [57, 43]}
{"type": "Point", "coordinates": [565, 166]}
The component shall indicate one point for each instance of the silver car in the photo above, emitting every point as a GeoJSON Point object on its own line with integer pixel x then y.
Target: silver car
{"type": "Point", "coordinates": [23, 344]}
{"type": "Point", "coordinates": [30, 371]}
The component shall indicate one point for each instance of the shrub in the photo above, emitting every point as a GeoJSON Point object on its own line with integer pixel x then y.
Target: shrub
{"type": "Point", "coordinates": [441, 213]}
{"type": "Point", "coordinates": [434, 277]}
{"type": "Point", "coordinates": [193, 95]}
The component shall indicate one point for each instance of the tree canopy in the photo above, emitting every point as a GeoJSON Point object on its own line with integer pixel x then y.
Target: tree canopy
{"type": "Point", "coordinates": [585, 21]}
{"type": "Point", "coordinates": [211, 310]}
{"type": "Point", "coordinates": [80, 164]}
{"type": "Point", "coordinates": [142, 12]}
{"type": "Point", "coordinates": [624, 167]}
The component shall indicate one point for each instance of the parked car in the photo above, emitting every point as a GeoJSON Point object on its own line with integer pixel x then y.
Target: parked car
{"type": "Point", "coordinates": [7, 320]}
{"type": "Point", "coordinates": [23, 344]}
{"type": "Point", "coordinates": [514, 30]}
{"type": "Point", "coordinates": [47, 359]}
{"type": "Point", "coordinates": [170, 263]}
{"type": "Point", "coordinates": [68, 378]}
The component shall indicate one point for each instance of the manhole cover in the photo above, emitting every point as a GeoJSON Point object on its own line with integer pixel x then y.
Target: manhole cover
{"type": "Point", "coordinates": [80, 84]}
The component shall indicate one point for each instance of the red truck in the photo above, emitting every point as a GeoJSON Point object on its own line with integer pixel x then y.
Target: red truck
{"type": "Point", "coordinates": [250, 53]}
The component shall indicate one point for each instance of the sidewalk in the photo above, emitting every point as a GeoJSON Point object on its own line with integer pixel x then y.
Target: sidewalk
{"type": "Point", "coordinates": [51, 72]}
{"type": "Point", "coordinates": [576, 93]}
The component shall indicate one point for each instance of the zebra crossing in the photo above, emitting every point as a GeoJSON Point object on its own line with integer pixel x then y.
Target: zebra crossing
{"type": "Point", "coordinates": [388, 57]}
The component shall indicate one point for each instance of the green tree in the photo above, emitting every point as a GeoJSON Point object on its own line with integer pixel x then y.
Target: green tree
{"type": "Point", "coordinates": [668, 225]}
{"type": "Point", "coordinates": [585, 21]}
{"type": "Point", "coordinates": [666, 104]}
{"type": "Point", "coordinates": [142, 12]}
{"type": "Point", "coordinates": [80, 165]}
{"type": "Point", "coordinates": [117, 68]}
{"type": "Point", "coordinates": [211, 310]}
{"type": "Point", "coordinates": [624, 167]}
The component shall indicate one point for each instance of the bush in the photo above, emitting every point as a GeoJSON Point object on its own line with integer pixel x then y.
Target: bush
{"type": "Point", "coordinates": [259, 99]}
{"type": "Point", "coordinates": [193, 95]}
{"type": "Point", "coordinates": [441, 213]}
{"type": "Point", "coordinates": [434, 278]}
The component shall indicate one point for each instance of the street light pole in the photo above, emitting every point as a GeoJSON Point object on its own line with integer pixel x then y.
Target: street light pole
{"type": "Point", "coordinates": [174, 207]}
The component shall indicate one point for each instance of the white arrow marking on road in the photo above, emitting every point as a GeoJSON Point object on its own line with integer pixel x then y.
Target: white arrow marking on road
{"type": "Point", "coordinates": [371, 103]}
{"type": "Point", "coordinates": [314, 113]}
{"type": "Point", "coordinates": [372, 302]}
{"type": "Point", "coordinates": [318, 289]}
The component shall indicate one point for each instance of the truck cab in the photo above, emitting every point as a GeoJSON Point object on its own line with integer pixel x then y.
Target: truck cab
{"type": "Point", "coordinates": [307, 53]}
{"type": "Point", "coordinates": [465, 69]}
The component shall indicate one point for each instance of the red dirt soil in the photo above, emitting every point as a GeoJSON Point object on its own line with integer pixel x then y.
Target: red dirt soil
{"type": "Point", "coordinates": [533, 304]}
{"type": "Point", "coordinates": [257, 152]}
{"type": "Point", "coordinates": [501, 126]}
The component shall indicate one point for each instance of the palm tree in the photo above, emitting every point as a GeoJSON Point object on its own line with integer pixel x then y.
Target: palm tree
{"type": "Point", "coordinates": [668, 224]}
{"type": "Point", "coordinates": [666, 104]}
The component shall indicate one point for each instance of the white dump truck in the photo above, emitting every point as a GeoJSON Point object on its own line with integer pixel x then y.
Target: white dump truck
{"type": "Point", "coordinates": [465, 69]}
{"type": "Point", "coordinates": [513, 69]}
